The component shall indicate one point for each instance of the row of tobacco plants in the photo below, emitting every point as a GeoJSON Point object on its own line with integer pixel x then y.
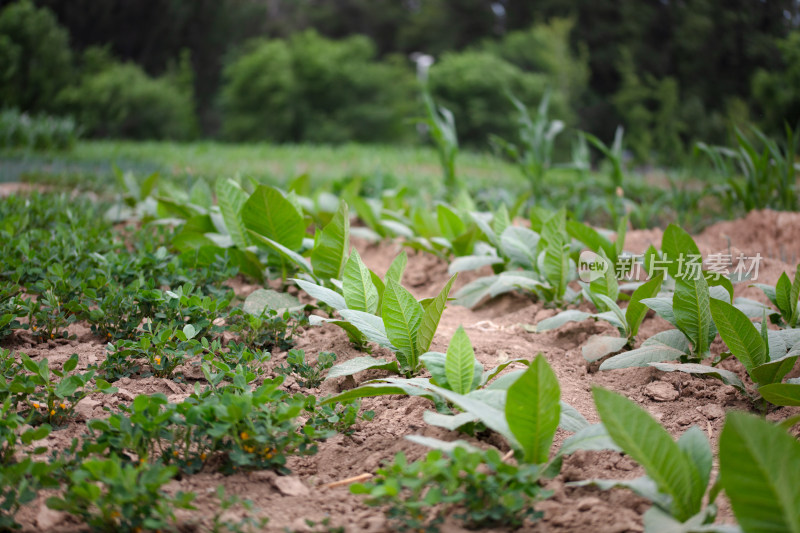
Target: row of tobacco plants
{"type": "Point", "coordinates": [156, 293]}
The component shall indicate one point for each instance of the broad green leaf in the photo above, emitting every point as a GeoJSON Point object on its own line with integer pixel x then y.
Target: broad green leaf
{"type": "Point", "coordinates": [435, 364]}
{"type": "Point", "coordinates": [263, 300]}
{"type": "Point", "coordinates": [741, 336]}
{"type": "Point", "coordinates": [322, 294]}
{"type": "Point", "coordinates": [607, 284]}
{"type": "Point", "coordinates": [636, 310]}
{"type": "Point", "coordinates": [695, 445]}
{"type": "Point", "coordinates": [353, 333]}
{"type": "Point", "coordinates": [501, 220]}
{"type": "Point", "coordinates": [431, 316]}
{"type": "Point", "coordinates": [370, 325]}
{"type": "Point", "coordinates": [487, 230]}
{"type": "Point", "coordinates": [556, 255]}
{"type": "Point", "coordinates": [231, 198]}
{"type": "Point", "coordinates": [594, 437]}
{"type": "Point", "coordinates": [643, 486]}
{"type": "Point", "coordinates": [474, 292]}
{"type": "Point", "coordinates": [663, 307]}
{"type": "Point", "coordinates": [615, 310]}
{"type": "Point", "coordinates": [360, 292]}
{"type": "Point", "coordinates": [330, 252]}
{"type": "Point", "coordinates": [268, 213]}
{"type": "Point", "coordinates": [783, 296]}
{"type": "Point", "coordinates": [692, 313]}
{"type": "Point", "coordinates": [648, 443]}
{"type": "Point", "coordinates": [774, 371]}
{"type": "Point", "coordinates": [402, 316]}
{"type": "Point", "coordinates": [459, 363]}
{"type": "Point", "coordinates": [397, 268]}
{"type": "Point", "coordinates": [446, 446]}
{"type": "Point", "coordinates": [591, 238]}
{"type": "Point", "coordinates": [533, 411]}
{"type": "Point", "coordinates": [377, 388]}
{"type": "Point", "coordinates": [571, 419]}
{"type": "Point", "coordinates": [571, 315]}
{"type": "Point", "coordinates": [71, 363]}
{"type": "Point", "coordinates": [726, 376]}
{"type": "Point", "coordinates": [359, 364]}
{"type": "Point", "coordinates": [450, 223]}
{"type": "Point", "coordinates": [293, 257]}
{"type": "Point", "coordinates": [794, 294]}
{"type": "Point", "coordinates": [664, 346]}
{"type": "Point", "coordinates": [488, 375]}
{"type": "Point", "coordinates": [520, 245]}
{"type": "Point", "coordinates": [448, 422]}
{"type": "Point", "coordinates": [781, 393]}
{"type": "Point", "coordinates": [599, 346]}
{"type": "Point", "coordinates": [677, 244]}
{"type": "Point", "coordinates": [759, 463]}
{"type": "Point", "coordinates": [472, 262]}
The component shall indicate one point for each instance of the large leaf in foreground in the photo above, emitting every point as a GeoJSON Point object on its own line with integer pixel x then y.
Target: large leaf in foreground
{"type": "Point", "coordinates": [533, 411]}
{"type": "Point", "coordinates": [759, 465]}
{"type": "Point", "coordinates": [402, 316]}
{"type": "Point", "coordinates": [268, 213]}
{"type": "Point", "coordinates": [648, 443]}
{"type": "Point", "coordinates": [330, 252]}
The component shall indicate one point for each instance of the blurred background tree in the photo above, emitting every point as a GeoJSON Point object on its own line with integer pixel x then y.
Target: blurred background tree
{"type": "Point", "coordinates": [337, 70]}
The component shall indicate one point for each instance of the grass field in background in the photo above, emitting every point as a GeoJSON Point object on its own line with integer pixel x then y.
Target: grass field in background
{"type": "Point", "coordinates": [412, 166]}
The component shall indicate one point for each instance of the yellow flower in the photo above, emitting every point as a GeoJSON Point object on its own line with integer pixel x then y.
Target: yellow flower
{"type": "Point", "coordinates": [175, 453]}
{"type": "Point", "coordinates": [53, 412]}
{"type": "Point", "coordinates": [203, 456]}
{"type": "Point", "coordinates": [141, 460]}
{"type": "Point", "coordinates": [36, 405]}
{"type": "Point", "coordinates": [52, 336]}
{"type": "Point", "coordinates": [63, 406]}
{"type": "Point", "coordinates": [244, 435]}
{"type": "Point", "coordinates": [158, 360]}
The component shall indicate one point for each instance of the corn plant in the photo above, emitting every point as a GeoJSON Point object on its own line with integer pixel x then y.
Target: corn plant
{"type": "Point", "coordinates": [537, 135]}
{"type": "Point", "coordinates": [768, 175]}
{"type": "Point", "coordinates": [442, 129]}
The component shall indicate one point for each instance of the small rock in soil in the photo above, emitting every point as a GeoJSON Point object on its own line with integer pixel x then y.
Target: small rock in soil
{"type": "Point", "coordinates": [711, 411]}
{"type": "Point", "coordinates": [586, 504]}
{"type": "Point", "coordinates": [85, 408]}
{"type": "Point", "coordinates": [661, 391]}
{"type": "Point", "coordinates": [290, 486]}
{"type": "Point", "coordinates": [47, 518]}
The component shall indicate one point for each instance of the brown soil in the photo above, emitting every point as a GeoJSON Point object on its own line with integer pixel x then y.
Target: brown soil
{"type": "Point", "coordinates": [678, 401]}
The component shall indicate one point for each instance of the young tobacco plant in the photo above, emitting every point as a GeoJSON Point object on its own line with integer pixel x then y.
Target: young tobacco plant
{"type": "Point", "coordinates": [538, 262]}
{"type": "Point", "coordinates": [538, 135]}
{"type": "Point", "coordinates": [767, 356]}
{"type": "Point", "coordinates": [784, 295]}
{"type": "Point", "coordinates": [677, 474]}
{"type": "Point", "coordinates": [626, 321]}
{"type": "Point", "coordinates": [384, 312]}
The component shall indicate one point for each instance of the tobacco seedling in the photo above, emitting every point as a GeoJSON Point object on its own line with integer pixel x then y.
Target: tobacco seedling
{"type": "Point", "coordinates": [627, 321]}
{"type": "Point", "coordinates": [538, 135]}
{"type": "Point", "coordinates": [677, 473]}
{"type": "Point", "coordinates": [384, 313]}
{"type": "Point", "coordinates": [308, 375]}
{"type": "Point", "coordinates": [784, 295]}
{"type": "Point", "coordinates": [767, 356]}
{"type": "Point", "coordinates": [545, 260]}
